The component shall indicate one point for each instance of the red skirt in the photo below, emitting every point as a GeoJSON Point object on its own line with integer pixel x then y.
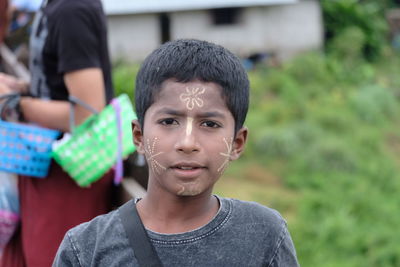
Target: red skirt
{"type": "Point", "coordinates": [49, 207]}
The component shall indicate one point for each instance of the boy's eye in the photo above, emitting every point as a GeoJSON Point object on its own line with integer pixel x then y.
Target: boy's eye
{"type": "Point", "coordinates": [168, 121]}
{"type": "Point", "coordinates": [210, 124]}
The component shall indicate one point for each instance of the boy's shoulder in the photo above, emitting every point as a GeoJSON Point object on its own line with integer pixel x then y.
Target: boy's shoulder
{"type": "Point", "coordinates": [102, 223]}
{"type": "Point", "coordinates": [254, 212]}
{"type": "Point", "coordinates": [256, 224]}
{"type": "Point", "coordinates": [95, 242]}
{"type": "Point", "coordinates": [251, 219]}
{"type": "Point", "coordinates": [104, 229]}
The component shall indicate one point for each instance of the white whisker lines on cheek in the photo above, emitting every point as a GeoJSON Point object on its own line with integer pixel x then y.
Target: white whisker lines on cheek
{"type": "Point", "coordinates": [150, 153]}
{"type": "Point", "coordinates": [189, 126]}
{"type": "Point", "coordinates": [227, 154]}
{"type": "Point", "coordinates": [191, 97]}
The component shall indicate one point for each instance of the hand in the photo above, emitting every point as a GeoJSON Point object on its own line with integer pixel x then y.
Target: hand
{"type": "Point", "coordinates": [5, 89]}
{"type": "Point", "coordinates": [16, 85]}
{"type": "Point", "coordinates": [10, 112]}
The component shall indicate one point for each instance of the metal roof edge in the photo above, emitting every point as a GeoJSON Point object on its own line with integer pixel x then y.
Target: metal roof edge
{"type": "Point", "coordinates": [111, 9]}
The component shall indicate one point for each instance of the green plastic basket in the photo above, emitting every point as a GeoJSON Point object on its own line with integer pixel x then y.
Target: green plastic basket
{"type": "Point", "coordinates": [93, 146]}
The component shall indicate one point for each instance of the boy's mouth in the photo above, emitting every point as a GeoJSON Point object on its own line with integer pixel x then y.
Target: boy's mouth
{"type": "Point", "coordinates": [187, 170]}
{"type": "Point", "coordinates": [187, 166]}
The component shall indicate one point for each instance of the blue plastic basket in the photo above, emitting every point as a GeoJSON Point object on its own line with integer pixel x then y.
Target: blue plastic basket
{"type": "Point", "coordinates": [25, 149]}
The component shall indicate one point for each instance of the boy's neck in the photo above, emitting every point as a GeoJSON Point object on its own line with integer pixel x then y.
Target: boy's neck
{"type": "Point", "coordinates": [173, 215]}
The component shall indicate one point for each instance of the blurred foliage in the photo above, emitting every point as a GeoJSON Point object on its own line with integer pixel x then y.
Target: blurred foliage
{"type": "Point", "coordinates": [331, 131]}
{"type": "Point", "coordinates": [365, 15]}
{"type": "Point", "coordinates": [124, 76]}
{"type": "Point", "coordinates": [324, 143]}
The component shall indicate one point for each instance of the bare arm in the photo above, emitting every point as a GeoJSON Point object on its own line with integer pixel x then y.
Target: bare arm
{"type": "Point", "coordinates": [85, 84]}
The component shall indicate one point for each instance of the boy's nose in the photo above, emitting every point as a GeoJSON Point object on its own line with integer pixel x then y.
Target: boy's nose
{"type": "Point", "coordinates": [187, 143]}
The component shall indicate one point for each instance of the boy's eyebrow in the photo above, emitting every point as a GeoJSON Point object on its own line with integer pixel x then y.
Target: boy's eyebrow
{"type": "Point", "coordinates": [170, 111]}
{"type": "Point", "coordinates": [175, 112]}
{"type": "Point", "coordinates": [213, 114]}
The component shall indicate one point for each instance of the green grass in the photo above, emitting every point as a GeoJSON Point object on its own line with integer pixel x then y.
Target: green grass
{"type": "Point", "coordinates": [253, 182]}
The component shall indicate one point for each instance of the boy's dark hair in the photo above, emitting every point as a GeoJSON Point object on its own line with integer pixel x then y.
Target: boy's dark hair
{"type": "Point", "coordinates": [187, 60]}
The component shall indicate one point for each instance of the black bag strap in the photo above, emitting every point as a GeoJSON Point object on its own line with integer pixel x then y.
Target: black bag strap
{"type": "Point", "coordinates": [144, 251]}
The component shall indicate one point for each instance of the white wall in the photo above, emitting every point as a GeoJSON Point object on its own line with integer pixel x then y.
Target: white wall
{"type": "Point", "coordinates": [292, 29]}
{"type": "Point", "coordinates": [284, 29]}
{"type": "Point", "coordinates": [132, 38]}
{"type": "Point", "coordinates": [198, 24]}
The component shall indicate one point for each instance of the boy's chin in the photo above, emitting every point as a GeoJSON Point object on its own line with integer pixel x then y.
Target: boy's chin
{"type": "Point", "coordinates": [191, 190]}
{"type": "Point", "coordinates": [188, 191]}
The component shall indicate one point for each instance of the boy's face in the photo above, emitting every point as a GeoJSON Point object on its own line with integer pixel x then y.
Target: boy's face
{"type": "Point", "coordinates": [188, 138]}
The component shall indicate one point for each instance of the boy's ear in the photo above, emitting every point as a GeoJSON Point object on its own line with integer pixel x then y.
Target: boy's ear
{"type": "Point", "coordinates": [239, 143]}
{"type": "Point", "coordinates": [137, 136]}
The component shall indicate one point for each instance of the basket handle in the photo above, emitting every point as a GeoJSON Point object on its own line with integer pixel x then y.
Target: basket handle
{"type": "Point", "coordinates": [76, 101]}
{"type": "Point", "coordinates": [119, 168]}
{"type": "Point", "coordinates": [11, 100]}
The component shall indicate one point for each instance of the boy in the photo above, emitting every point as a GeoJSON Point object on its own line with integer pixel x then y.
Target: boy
{"type": "Point", "coordinates": [191, 102]}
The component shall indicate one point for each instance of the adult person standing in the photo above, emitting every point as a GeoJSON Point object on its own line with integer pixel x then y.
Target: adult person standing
{"type": "Point", "coordinates": [68, 56]}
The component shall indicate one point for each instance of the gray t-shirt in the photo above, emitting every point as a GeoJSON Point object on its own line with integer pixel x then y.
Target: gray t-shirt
{"type": "Point", "coordinates": [241, 234]}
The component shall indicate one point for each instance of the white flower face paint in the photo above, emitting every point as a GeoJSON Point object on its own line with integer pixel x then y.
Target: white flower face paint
{"type": "Point", "coordinates": [189, 126]}
{"type": "Point", "coordinates": [150, 153]}
{"type": "Point", "coordinates": [191, 97]}
{"type": "Point", "coordinates": [226, 154]}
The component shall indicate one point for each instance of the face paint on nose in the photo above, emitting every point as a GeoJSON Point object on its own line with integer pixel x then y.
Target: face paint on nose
{"type": "Point", "coordinates": [189, 126]}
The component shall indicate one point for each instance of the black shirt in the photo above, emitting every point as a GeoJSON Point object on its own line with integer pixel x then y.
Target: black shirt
{"type": "Point", "coordinates": [67, 35]}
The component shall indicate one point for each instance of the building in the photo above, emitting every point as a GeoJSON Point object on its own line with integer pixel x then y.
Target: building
{"type": "Point", "coordinates": [282, 27]}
